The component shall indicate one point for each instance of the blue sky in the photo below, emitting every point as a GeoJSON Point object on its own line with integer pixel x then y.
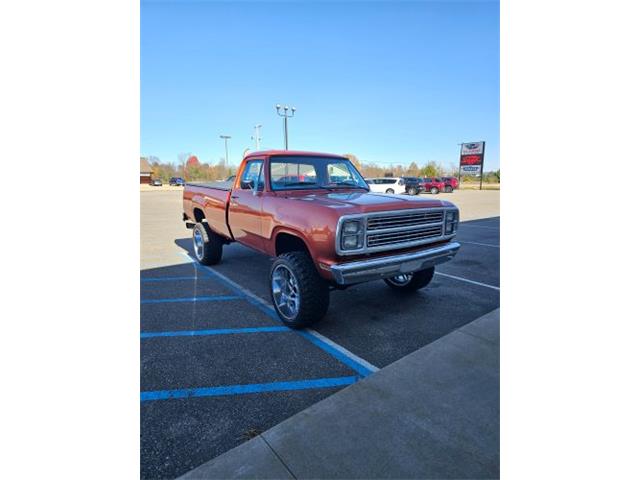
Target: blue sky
{"type": "Point", "coordinates": [391, 82]}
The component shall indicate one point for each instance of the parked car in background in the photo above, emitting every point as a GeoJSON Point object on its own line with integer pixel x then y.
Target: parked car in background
{"type": "Point", "coordinates": [386, 185]}
{"type": "Point", "coordinates": [156, 182]}
{"type": "Point", "coordinates": [324, 234]}
{"type": "Point", "coordinates": [450, 184]}
{"type": "Point", "coordinates": [413, 185]}
{"type": "Point", "coordinates": [433, 185]}
{"type": "Point", "coordinates": [176, 181]}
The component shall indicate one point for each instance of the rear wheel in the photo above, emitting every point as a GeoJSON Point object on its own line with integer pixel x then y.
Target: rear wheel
{"type": "Point", "coordinates": [434, 190]}
{"type": "Point", "coordinates": [207, 245]}
{"type": "Point", "coordinates": [389, 190]}
{"type": "Point", "coordinates": [299, 295]}
{"type": "Point", "coordinates": [410, 282]}
{"type": "Point", "coordinates": [448, 189]}
{"type": "Point", "coordinates": [413, 191]}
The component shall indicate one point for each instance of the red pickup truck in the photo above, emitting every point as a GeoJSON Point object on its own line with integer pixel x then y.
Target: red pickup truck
{"type": "Point", "coordinates": [314, 214]}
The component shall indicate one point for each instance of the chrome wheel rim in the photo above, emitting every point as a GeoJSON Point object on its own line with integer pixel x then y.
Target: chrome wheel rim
{"type": "Point", "coordinates": [285, 291]}
{"type": "Point", "coordinates": [434, 191]}
{"type": "Point", "coordinates": [401, 280]}
{"type": "Point", "coordinates": [198, 243]}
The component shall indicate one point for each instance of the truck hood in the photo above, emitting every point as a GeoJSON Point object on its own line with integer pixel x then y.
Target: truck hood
{"type": "Point", "coordinates": [361, 202]}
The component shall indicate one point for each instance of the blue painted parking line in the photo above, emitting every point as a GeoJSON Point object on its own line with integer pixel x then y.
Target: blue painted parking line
{"type": "Point", "coordinates": [219, 331]}
{"type": "Point", "coordinates": [218, 298]}
{"type": "Point", "coordinates": [167, 279]}
{"type": "Point", "coordinates": [363, 370]}
{"type": "Point", "coordinates": [248, 388]}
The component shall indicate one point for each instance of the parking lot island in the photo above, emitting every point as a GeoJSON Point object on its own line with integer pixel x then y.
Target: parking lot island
{"type": "Point", "coordinates": [432, 414]}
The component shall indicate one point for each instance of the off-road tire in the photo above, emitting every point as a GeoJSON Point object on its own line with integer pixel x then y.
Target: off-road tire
{"type": "Point", "coordinates": [212, 246]}
{"type": "Point", "coordinates": [419, 280]}
{"type": "Point", "coordinates": [313, 289]}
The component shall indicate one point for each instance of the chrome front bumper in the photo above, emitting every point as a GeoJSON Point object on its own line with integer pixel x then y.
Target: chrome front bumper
{"type": "Point", "coordinates": [390, 266]}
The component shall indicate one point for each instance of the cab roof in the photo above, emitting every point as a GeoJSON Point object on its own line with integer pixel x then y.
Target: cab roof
{"type": "Point", "coordinates": [292, 153]}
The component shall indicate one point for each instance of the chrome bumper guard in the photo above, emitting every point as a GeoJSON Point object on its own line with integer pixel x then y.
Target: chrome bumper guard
{"type": "Point", "coordinates": [385, 267]}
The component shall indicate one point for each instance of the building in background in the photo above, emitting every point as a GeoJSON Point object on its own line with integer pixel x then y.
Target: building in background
{"type": "Point", "coordinates": [145, 171]}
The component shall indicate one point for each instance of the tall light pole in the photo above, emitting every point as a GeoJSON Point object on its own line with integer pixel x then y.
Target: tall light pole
{"type": "Point", "coordinates": [257, 136]}
{"type": "Point", "coordinates": [226, 149]}
{"type": "Point", "coordinates": [285, 114]}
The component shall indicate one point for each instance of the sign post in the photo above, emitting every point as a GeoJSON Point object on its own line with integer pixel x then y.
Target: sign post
{"type": "Point", "coordinates": [460, 167]}
{"type": "Point", "coordinates": [472, 159]}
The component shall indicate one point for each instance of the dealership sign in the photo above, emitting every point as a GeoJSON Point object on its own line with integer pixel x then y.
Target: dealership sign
{"type": "Point", "coordinates": [476, 148]}
{"type": "Point", "coordinates": [470, 169]}
{"type": "Point", "coordinates": [471, 158]}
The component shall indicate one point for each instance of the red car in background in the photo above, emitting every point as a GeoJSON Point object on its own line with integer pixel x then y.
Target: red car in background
{"type": "Point", "coordinates": [450, 184]}
{"type": "Point", "coordinates": [433, 185]}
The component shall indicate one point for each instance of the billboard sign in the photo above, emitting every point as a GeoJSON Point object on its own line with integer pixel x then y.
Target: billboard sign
{"type": "Point", "coordinates": [471, 158]}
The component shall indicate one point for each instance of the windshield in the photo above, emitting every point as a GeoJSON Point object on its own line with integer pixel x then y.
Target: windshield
{"type": "Point", "coordinates": [303, 172]}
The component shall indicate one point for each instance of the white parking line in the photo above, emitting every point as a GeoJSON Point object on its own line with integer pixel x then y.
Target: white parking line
{"type": "Point", "coordinates": [478, 243]}
{"type": "Point", "coordinates": [468, 281]}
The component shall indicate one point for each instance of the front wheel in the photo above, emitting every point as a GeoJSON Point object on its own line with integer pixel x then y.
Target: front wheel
{"type": "Point", "coordinates": [207, 245]}
{"type": "Point", "coordinates": [299, 295]}
{"type": "Point", "coordinates": [389, 190]}
{"type": "Point", "coordinates": [448, 189]}
{"type": "Point", "coordinates": [413, 191]}
{"type": "Point", "coordinates": [410, 282]}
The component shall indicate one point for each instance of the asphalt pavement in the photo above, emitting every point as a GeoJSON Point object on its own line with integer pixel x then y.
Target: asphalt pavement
{"type": "Point", "coordinates": [218, 368]}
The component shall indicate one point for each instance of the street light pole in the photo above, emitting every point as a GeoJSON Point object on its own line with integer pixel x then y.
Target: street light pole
{"type": "Point", "coordinates": [226, 150]}
{"type": "Point", "coordinates": [257, 137]}
{"type": "Point", "coordinates": [285, 114]}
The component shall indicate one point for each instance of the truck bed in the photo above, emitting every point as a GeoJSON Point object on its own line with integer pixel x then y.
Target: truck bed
{"type": "Point", "coordinates": [220, 185]}
{"type": "Point", "coordinates": [212, 198]}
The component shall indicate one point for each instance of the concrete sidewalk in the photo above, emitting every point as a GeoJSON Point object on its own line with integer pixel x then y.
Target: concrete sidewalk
{"type": "Point", "coordinates": [433, 414]}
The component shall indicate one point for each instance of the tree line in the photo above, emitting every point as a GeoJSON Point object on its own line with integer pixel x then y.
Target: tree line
{"type": "Point", "coordinates": [191, 169]}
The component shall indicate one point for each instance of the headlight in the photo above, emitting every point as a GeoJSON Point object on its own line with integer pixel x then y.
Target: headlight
{"type": "Point", "coordinates": [352, 235]}
{"type": "Point", "coordinates": [451, 222]}
{"type": "Point", "coordinates": [351, 227]}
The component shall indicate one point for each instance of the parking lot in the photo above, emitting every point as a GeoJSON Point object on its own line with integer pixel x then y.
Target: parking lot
{"type": "Point", "coordinates": [217, 366]}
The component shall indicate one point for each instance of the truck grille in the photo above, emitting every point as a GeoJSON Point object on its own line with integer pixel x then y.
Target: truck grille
{"type": "Point", "coordinates": [392, 238]}
{"type": "Point", "coordinates": [404, 220]}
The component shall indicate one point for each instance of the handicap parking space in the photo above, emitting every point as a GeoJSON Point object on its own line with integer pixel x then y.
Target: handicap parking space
{"type": "Point", "coordinates": [200, 315]}
{"type": "Point", "coordinates": [235, 358]}
{"type": "Point", "coordinates": [217, 365]}
{"type": "Point", "coordinates": [174, 289]}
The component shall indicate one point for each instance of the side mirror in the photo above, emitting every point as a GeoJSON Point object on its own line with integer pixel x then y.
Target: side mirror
{"type": "Point", "coordinates": [247, 185]}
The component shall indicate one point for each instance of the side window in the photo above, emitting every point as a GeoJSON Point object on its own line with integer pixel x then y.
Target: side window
{"type": "Point", "coordinates": [253, 172]}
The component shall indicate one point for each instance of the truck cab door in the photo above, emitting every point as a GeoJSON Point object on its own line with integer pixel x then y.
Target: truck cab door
{"type": "Point", "coordinates": [245, 205]}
